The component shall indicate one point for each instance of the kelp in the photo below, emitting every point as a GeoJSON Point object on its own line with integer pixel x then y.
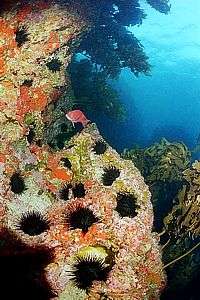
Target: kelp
{"type": "Point", "coordinates": [175, 188]}
{"type": "Point", "coordinates": [182, 226]}
{"type": "Point", "coordinates": [161, 165]}
{"type": "Point", "coordinates": [186, 213]}
{"type": "Point", "coordinates": [163, 161]}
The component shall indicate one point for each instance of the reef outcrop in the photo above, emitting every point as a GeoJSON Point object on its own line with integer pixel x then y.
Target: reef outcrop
{"type": "Point", "coordinates": [75, 223]}
{"type": "Point", "coordinates": [87, 208]}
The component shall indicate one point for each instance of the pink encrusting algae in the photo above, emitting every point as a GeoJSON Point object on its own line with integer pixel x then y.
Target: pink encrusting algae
{"type": "Point", "coordinates": [87, 206]}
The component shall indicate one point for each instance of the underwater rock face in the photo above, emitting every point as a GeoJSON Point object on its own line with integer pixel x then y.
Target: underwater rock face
{"type": "Point", "coordinates": [35, 48]}
{"type": "Point", "coordinates": [110, 224]}
{"type": "Point", "coordinates": [76, 223]}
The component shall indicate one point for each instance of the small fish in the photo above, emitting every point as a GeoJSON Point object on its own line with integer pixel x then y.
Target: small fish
{"type": "Point", "coordinates": [77, 116]}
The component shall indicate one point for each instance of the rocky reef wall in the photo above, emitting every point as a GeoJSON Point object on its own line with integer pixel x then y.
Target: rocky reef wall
{"type": "Point", "coordinates": [75, 223]}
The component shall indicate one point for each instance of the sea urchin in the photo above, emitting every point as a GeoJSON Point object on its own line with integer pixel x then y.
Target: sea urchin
{"type": "Point", "coordinates": [78, 190]}
{"type": "Point", "coordinates": [81, 217]}
{"type": "Point", "coordinates": [21, 36]}
{"type": "Point", "coordinates": [126, 205]}
{"type": "Point", "coordinates": [64, 192]}
{"type": "Point", "coordinates": [33, 223]}
{"type": "Point", "coordinates": [17, 184]}
{"type": "Point", "coordinates": [87, 269]}
{"type": "Point", "coordinates": [100, 147]}
{"type": "Point", "coordinates": [109, 176]}
{"type": "Point", "coordinates": [54, 65]}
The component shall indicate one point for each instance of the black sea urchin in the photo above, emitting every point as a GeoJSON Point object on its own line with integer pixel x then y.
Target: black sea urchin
{"type": "Point", "coordinates": [64, 192]}
{"type": "Point", "coordinates": [54, 65]}
{"type": "Point", "coordinates": [82, 218]}
{"type": "Point", "coordinates": [78, 190]}
{"type": "Point", "coordinates": [126, 205]}
{"type": "Point", "coordinates": [109, 176]}
{"type": "Point", "coordinates": [87, 269]}
{"type": "Point", "coordinates": [17, 184]}
{"type": "Point", "coordinates": [100, 147]}
{"type": "Point", "coordinates": [33, 223]}
{"type": "Point", "coordinates": [21, 36]}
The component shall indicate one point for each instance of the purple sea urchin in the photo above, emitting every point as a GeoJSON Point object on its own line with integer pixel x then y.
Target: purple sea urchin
{"type": "Point", "coordinates": [87, 269]}
{"type": "Point", "coordinates": [78, 190]}
{"type": "Point", "coordinates": [21, 36]}
{"type": "Point", "coordinates": [126, 205]}
{"type": "Point", "coordinates": [82, 218]}
{"type": "Point", "coordinates": [109, 176]}
{"type": "Point", "coordinates": [100, 147]}
{"type": "Point", "coordinates": [33, 223]}
{"type": "Point", "coordinates": [17, 184]}
{"type": "Point", "coordinates": [54, 65]}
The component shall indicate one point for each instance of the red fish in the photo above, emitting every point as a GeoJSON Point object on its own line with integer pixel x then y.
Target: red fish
{"type": "Point", "coordinates": [77, 116]}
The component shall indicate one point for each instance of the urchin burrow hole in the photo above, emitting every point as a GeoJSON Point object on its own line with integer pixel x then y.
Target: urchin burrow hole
{"type": "Point", "coordinates": [33, 223]}
{"type": "Point", "coordinates": [126, 205]}
{"type": "Point", "coordinates": [28, 82]}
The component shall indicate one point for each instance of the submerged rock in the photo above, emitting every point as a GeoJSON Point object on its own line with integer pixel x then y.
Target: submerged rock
{"type": "Point", "coordinates": [74, 223]}
{"type": "Point", "coordinates": [117, 216]}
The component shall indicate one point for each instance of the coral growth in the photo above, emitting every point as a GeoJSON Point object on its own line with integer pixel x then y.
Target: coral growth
{"type": "Point", "coordinates": [68, 212]}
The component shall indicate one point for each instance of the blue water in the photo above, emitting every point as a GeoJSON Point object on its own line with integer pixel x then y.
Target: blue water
{"type": "Point", "coordinates": [167, 103]}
